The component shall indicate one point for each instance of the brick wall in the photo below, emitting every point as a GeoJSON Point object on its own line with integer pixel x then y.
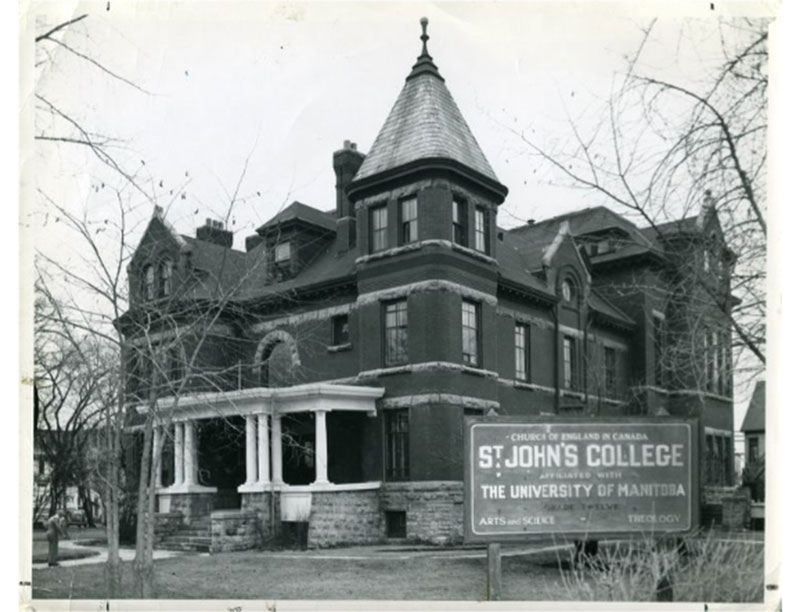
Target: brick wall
{"type": "Point", "coordinates": [352, 517]}
{"type": "Point", "coordinates": [434, 510]}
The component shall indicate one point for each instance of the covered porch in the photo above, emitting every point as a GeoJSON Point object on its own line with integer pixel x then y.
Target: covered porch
{"type": "Point", "coordinates": [280, 424]}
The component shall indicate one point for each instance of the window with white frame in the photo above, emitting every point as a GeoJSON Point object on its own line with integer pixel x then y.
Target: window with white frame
{"type": "Point", "coordinates": [408, 221]}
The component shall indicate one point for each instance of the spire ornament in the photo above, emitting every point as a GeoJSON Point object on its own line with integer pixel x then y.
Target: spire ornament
{"type": "Point", "coordinates": [424, 38]}
{"type": "Point", "coordinates": [424, 63]}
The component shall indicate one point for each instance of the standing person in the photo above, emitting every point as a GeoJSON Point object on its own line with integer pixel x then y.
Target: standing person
{"type": "Point", "coordinates": [56, 526]}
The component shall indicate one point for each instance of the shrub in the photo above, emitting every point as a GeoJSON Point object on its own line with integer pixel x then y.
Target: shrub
{"type": "Point", "coordinates": [704, 569]}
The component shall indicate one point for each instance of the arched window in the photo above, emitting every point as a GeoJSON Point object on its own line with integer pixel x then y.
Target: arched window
{"type": "Point", "coordinates": [568, 290]}
{"type": "Point", "coordinates": [166, 277]}
{"type": "Point", "coordinates": [149, 282]}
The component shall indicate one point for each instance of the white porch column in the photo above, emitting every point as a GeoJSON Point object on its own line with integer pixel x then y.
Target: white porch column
{"type": "Point", "coordinates": [157, 454]}
{"type": "Point", "coordinates": [321, 446]}
{"type": "Point", "coordinates": [250, 437]}
{"type": "Point", "coordinates": [263, 449]}
{"type": "Point", "coordinates": [189, 454]}
{"type": "Point", "coordinates": [277, 451]}
{"type": "Point", "coordinates": [178, 446]}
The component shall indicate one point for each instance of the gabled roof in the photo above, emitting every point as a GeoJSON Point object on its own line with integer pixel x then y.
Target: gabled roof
{"type": "Point", "coordinates": [225, 266]}
{"type": "Point", "coordinates": [754, 420]}
{"type": "Point", "coordinates": [424, 123]}
{"type": "Point", "coordinates": [297, 211]}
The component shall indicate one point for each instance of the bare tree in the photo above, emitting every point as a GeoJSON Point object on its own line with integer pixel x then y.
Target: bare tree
{"type": "Point", "coordinates": [663, 150]}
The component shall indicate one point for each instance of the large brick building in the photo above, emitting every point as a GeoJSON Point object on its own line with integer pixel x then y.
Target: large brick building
{"type": "Point", "coordinates": [325, 371]}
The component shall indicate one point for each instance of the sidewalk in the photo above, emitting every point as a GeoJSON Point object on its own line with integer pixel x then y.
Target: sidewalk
{"type": "Point", "coordinates": [125, 554]}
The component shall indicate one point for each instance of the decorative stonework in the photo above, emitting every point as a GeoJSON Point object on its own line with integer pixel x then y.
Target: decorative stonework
{"type": "Point", "coordinates": [323, 314]}
{"type": "Point", "coordinates": [440, 398]}
{"type": "Point", "coordinates": [424, 286]}
{"type": "Point", "coordinates": [422, 244]}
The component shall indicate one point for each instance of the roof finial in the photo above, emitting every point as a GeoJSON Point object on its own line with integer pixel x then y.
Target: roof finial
{"type": "Point", "coordinates": [424, 63]}
{"type": "Point", "coordinates": [424, 37]}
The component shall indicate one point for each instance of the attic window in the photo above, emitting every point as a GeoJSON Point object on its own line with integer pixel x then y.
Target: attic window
{"type": "Point", "coordinates": [166, 277]}
{"type": "Point", "coordinates": [149, 282]}
{"type": "Point", "coordinates": [567, 290]}
{"type": "Point", "coordinates": [283, 252]}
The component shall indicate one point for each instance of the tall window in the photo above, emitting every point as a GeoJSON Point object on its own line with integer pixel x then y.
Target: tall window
{"type": "Point", "coordinates": [408, 221]}
{"type": "Point", "coordinates": [711, 361]}
{"type": "Point", "coordinates": [149, 282]}
{"type": "Point", "coordinates": [460, 222]}
{"type": "Point", "coordinates": [340, 328]}
{"type": "Point", "coordinates": [469, 332]}
{"type": "Point", "coordinates": [397, 444]}
{"type": "Point", "coordinates": [522, 369]}
{"type": "Point", "coordinates": [610, 363]}
{"type": "Point", "coordinates": [395, 337]}
{"type": "Point", "coordinates": [570, 363]}
{"type": "Point", "coordinates": [166, 277]}
{"type": "Point", "coordinates": [378, 223]}
{"type": "Point", "coordinates": [481, 225]}
{"type": "Point", "coordinates": [658, 351]}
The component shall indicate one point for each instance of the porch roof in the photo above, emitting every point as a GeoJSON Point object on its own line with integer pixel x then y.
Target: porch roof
{"type": "Point", "coordinates": [310, 397]}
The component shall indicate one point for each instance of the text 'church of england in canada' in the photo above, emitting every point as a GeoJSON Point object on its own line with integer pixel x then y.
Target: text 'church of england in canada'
{"type": "Point", "coordinates": [317, 381]}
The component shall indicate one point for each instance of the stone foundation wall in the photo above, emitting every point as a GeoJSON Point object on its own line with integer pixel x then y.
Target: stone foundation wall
{"type": "Point", "coordinates": [261, 504]}
{"type": "Point", "coordinates": [166, 523]}
{"type": "Point", "coordinates": [728, 505]}
{"type": "Point", "coordinates": [351, 517]}
{"type": "Point", "coordinates": [234, 530]}
{"type": "Point", "coordinates": [434, 510]}
{"type": "Point", "coordinates": [191, 505]}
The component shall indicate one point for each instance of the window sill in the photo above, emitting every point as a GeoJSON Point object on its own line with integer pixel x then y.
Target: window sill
{"type": "Point", "coordinates": [474, 370]}
{"type": "Point", "coordinates": [522, 384]}
{"type": "Point", "coordinates": [573, 393]}
{"type": "Point", "coordinates": [339, 348]}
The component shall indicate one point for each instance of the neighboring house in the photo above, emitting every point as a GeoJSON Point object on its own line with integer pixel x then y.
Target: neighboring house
{"type": "Point", "coordinates": [754, 429]}
{"type": "Point", "coordinates": [73, 496]}
{"type": "Point", "coordinates": [753, 426]}
{"type": "Point", "coordinates": [332, 387]}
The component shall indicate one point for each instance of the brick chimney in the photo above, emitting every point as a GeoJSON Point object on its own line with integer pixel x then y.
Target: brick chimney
{"type": "Point", "coordinates": [215, 233]}
{"type": "Point", "coordinates": [346, 162]}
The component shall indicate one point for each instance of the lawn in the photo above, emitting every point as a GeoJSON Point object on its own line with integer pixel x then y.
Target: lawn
{"type": "Point", "coordinates": [254, 575]}
{"type": "Point", "coordinates": [716, 570]}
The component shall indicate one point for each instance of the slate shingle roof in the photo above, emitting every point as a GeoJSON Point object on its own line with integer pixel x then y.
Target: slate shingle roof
{"type": "Point", "coordinates": [424, 122]}
{"type": "Point", "coordinates": [297, 211]}
{"type": "Point", "coordinates": [754, 420]}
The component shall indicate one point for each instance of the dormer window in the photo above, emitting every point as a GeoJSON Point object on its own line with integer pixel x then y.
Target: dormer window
{"type": "Point", "coordinates": [283, 252]}
{"type": "Point", "coordinates": [166, 277]}
{"type": "Point", "coordinates": [408, 221]}
{"type": "Point", "coordinates": [149, 282]}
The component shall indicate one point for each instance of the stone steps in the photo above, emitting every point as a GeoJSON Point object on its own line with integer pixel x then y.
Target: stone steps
{"type": "Point", "coordinates": [193, 537]}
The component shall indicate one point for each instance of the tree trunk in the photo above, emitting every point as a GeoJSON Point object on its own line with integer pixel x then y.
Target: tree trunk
{"type": "Point", "coordinates": [113, 427]}
{"type": "Point", "coordinates": [142, 566]}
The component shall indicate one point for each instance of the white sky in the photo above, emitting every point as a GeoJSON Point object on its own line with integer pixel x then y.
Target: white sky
{"type": "Point", "coordinates": [285, 84]}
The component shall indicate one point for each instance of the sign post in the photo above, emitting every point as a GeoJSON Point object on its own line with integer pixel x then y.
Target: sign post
{"type": "Point", "coordinates": [494, 581]}
{"type": "Point", "coordinates": [599, 477]}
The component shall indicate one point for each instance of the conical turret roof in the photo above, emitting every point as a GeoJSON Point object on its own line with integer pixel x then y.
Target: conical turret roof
{"type": "Point", "coordinates": [424, 123]}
